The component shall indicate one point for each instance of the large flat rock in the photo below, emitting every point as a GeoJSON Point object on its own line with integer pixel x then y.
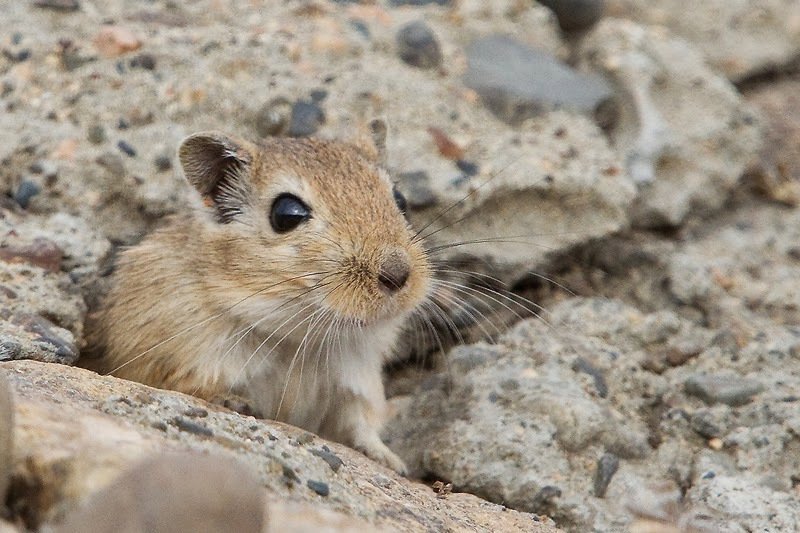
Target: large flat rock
{"type": "Point", "coordinates": [77, 432]}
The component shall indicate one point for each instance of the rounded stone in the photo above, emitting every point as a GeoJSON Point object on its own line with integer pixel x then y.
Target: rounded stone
{"type": "Point", "coordinates": [576, 15]}
{"type": "Point", "coordinates": [305, 119]}
{"type": "Point", "coordinates": [417, 45]}
{"type": "Point", "coordinates": [25, 192]}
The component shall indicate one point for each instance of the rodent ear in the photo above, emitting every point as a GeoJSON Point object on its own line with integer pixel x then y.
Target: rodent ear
{"type": "Point", "coordinates": [217, 166]}
{"type": "Point", "coordinates": [379, 130]}
{"type": "Point", "coordinates": [371, 141]}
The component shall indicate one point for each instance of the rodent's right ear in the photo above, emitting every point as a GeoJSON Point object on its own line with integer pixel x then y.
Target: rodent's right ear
{"type": "Point", "coordinates": [217, 166]}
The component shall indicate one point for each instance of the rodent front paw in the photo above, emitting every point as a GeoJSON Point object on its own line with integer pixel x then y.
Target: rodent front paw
{"type": "Point", "coordinates": [378, 451]}
{"type": "Point", "coordinates": [236, 403]}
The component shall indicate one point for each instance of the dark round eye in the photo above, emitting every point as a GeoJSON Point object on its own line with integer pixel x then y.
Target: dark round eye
{"type": "Point", "coordinates": [288, 212]}
{"type": "Point", "coordinates": [400, 200]}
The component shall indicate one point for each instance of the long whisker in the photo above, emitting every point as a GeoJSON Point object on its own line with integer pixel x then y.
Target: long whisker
{"type": "Point", "coordinates": [512, 240]}
{"type": "Point", "coordinates": [462, 200]}
{"type": "Point", "coordinates": [272, 334]}
{"type": "Point", "coordinates": [507, 295]}
{"type": "Point", "coordinates": [302, 342]}
{"type": "Point", "coordinates": [207, 320]}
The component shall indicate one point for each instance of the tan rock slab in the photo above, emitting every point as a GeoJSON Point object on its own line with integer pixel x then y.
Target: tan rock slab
{"type": "Point", "coordinates": [77, 432]}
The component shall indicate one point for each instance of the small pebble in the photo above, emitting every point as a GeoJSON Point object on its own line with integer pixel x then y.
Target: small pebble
{"type": "Point", "coordinates": [58, 5]}
{"type": "Point", "coordinates": [418, 46]}
{"type": "Point", "coordinates": [318, 96]}
{"type": "Point", "coordinates": [470, 169]}
{"type": "Point", "coordinates": [447, 147]}
{"type": "Point", "coordinates": [18, 56]}
{"type": "Point", "coordinates": [96, 134]}
{"type": "Point", "coordinates": [113, 41]}
{"type": "Point", "coordinates": [126, 149]}
{"type": "Point", "coordinates": [715, 444]}
{"type": "Point", "coordinates": [607, 466]}
{"type": "Point", "coordinates": [191, 427]}
{"type": "Point", "coordinates": [160, 425]}
{"type": "Point", "coordinates": [361, 28]}
{"type": "Point", "coordinates": [709, 424]}
{"type": "Point", "coordinates": [319, 487]}
{"type": "Point", "coordinates": [25, 192]}
{"type": "Point", "coordinates": [163, 163]}
{"type": "Point", "coordinates": [329, 457]}
{"type": "Point", "coordinates": [582, 365]}
{"type": "Point", "coordinates": [46, 168]}
{"type": "Point", "coordinates": [8, 293]}
{"type": "Point", "coordinates": [289, 474]}
{"type": "Point", "coordinates": [144, 61]}
{"type": "Point", "coordinates": [305, 120]}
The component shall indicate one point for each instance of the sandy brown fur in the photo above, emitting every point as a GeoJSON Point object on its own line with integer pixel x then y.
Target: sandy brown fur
{"type": "Point", "coordinates": [182, 299]}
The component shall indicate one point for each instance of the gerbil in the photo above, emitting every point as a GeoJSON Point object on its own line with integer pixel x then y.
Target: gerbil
{"type": "Point", "coordinates": [285, 286]}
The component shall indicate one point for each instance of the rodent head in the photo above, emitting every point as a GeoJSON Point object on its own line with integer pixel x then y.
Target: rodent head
{"type": "Point", "coordinates": [309, 224]}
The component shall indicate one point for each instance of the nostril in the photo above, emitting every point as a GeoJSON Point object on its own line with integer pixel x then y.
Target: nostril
{"type": "Point", "coordinates": [394, 273]}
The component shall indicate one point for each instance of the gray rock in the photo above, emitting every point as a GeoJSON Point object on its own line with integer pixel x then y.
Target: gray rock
{"type": "Point", "coordinates": [6, 434]}
{"type": "Point", "coordinates": [163, 162]}
{"type": "Point", "coordinates": [684, 131]}
{"type": "Point", "coordinates": [305, 120]}
{"type": "Point", "coordinates": [417, 45]}
{"type": "Point", "coordinates": [517, 82]}
{"type": "Point", "coordinates": [25, 192]}
{"type": "Point", "coordinates": [175, 493]}
{"type": "Point", "coordinates": [728, 389]}
{"type": "Point", "coordinates": [576, 15]}
{"type": "Point", "coordinates": [607, 466]}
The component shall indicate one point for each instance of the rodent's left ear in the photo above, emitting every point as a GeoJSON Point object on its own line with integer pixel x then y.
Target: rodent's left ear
{"type": "Point", "coordinates": [217, 166]}
{"type": "Point", "coordinates": [372, 142]}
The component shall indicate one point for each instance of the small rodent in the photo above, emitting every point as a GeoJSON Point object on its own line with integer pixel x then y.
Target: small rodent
{"type": "Point", "coordinates": [285, 286]}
